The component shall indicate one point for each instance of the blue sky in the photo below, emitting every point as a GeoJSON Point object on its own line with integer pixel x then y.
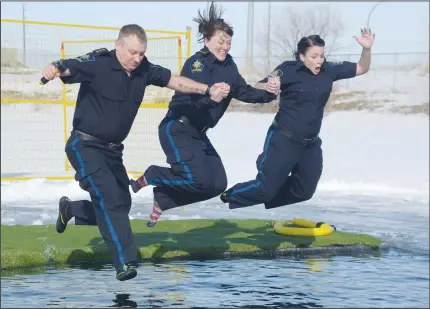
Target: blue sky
{"type": "Point", "coordinates": [399, 26]}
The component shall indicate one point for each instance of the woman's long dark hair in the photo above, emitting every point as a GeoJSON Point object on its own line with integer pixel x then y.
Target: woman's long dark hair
{"type": "Point", "coordinates": [306, 42]}
{"type": "Point", "coordinates": [211, 21]}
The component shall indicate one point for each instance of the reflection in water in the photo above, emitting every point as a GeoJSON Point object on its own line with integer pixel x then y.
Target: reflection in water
{"type": "Point", "coordinates": [122, 300]}
{"type": "Point", "coordinates": [169, 292]}
{"type": "Point", "coordinates": [341, 281]}
{"type": "Point", "coordinates": [317, 265]}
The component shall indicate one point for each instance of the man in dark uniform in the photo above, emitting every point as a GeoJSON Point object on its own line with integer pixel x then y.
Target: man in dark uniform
{"type": "Point", "coordinates": [197, 172]}
{"type": "Point", "coordinates": [111, 91]}
{"type": "Point", "coordinates": [291, 163]}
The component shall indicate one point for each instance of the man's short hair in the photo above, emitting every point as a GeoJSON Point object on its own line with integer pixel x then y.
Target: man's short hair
{"type": "Point", "coordinates": [133, 29]}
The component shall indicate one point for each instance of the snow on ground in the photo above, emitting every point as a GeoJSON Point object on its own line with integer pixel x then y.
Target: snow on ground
{"type": "Point", "coordinates": [364, 153]}
{"type": "Point", "coordinates": [376, 165]}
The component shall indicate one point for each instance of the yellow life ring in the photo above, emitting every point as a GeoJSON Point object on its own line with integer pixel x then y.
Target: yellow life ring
{"type": "Point", "coordinates": [305, 228]}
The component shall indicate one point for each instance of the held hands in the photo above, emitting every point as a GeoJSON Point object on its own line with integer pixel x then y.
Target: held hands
{"type": "Point", "coordinates": [273, 85]}
{"type": "Point", "coordinates": [226, 90]}
{"type": "Point", "coordinates": [50, 72]}
{"type": "Point", "coordinates": [366, 39]}
{"type": "Point", "coordinates": [219, 91]}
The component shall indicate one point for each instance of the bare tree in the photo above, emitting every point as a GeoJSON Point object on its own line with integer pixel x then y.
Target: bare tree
{"type": "Point", "coordinates": [290, 24]}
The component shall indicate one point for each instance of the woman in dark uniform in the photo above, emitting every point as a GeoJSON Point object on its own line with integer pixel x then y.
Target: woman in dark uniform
{"type": "Point", "coordinates": [196, 170]}
{"type": "Point", "coordinates": [290, 165]}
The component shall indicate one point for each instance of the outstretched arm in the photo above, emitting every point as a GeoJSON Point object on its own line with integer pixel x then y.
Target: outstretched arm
{"type": "Point", "coordinates": [71, 70]}
{"type": "Point", "coordinates": [262, 93]}
{"type": "Point", "coordinates": [272, 85]}
{"type": "Point", "coordinates": [186, 85]}
{"type": "Point", "coordinates": [50, 72]}
{"type": "Point", "coordinates": [272, 82]}
{"type": "Point", "coordinates": [366, 41]}
{"type": "Point", "coordinates": [162, 77]}
{"type": "Point", "coordinates": [348, 69]}
{"type": "Point", "coordinates": [261, 85]}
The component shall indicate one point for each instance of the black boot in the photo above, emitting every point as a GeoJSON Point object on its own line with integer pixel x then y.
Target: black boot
{"type": "Point", "coordinates": [64, 214]}
{"type": "Point", "coordinates": [223, 197]}
{"type": "Point", "coordinates": [125, 272]}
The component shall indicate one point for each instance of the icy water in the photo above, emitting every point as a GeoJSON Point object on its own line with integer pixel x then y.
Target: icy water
{"type": "Point", "coordinates": [396, 276]}
{"type": "Point", "coordinates": [391, 279]}
{"type": "Point", "coordinates": [375, 181]}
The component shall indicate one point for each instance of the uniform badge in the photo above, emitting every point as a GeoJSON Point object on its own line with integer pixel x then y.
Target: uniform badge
{"type": "Point", "coordinates": [196, 66]}
{"type": "Point", "coordinates": [85, 58]}
{"type": "Point", "coordinates": [277, 72]}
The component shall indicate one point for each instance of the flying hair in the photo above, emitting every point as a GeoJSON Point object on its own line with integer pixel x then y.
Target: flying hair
{"type": "Point", "coordinates": [211, 21]}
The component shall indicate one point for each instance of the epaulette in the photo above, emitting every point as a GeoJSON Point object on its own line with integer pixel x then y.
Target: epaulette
{"type": "Point", "coordinates": [333, 63]}
{"type": "Point", "coordinates": [290, 62]}
{"type": "Point", "coordinates": [100, 52]}
{"type": "Point", "coordinates": [203, 52]}
{"type": "Point", "coordinates": [91, 56]}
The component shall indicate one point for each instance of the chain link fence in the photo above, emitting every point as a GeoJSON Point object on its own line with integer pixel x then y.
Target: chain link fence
{"type": "Point", "coordinates": [397, 82]}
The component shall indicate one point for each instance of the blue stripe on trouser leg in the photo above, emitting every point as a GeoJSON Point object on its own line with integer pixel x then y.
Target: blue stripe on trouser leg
{"type": "Point", "coordinates": [186, 168]}
{"type": "Point", "coordinates": [266, 148]}
{"type": "Point", "coordinates": [102, 202]}
{"type": "Point", "coordinates": [78, 156]}
{"type": "Point", "coordinates": [260, 167]}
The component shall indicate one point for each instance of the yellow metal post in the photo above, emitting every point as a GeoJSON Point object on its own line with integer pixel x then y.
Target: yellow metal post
{"type": "Point", "coordinates": [47, 23]}
{"type": "Point", "coordinates": [188, 42]}
{"type": "Point", "coordinates": [99, 38]}
{"type": "Point", "coordinates": [64, 99]}
{"type": "Point", "coordinates": [180, 54]}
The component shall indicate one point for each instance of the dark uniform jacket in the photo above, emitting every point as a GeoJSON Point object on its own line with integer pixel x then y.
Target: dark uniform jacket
{"type": "Point", "coordinates": [108, 99]}
{"type": "Point", "coordinates": [304, 94]}
{"type": "Point", "coordinates": [203, 67]}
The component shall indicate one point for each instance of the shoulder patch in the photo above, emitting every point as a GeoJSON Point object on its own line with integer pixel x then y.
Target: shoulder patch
{"type": "Point", "coordinates": [197, 66]}
{"type": "Point", "coordinates": [86, 58]}
{"type": "Point", "coordinates": [275, 73]}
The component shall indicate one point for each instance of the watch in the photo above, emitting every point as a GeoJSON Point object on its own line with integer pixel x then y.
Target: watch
{"type": "Point", "coordinates": [208, 90]}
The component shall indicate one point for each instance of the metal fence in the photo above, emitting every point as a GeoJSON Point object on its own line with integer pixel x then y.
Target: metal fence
{"type": "Point", "coordinates": [36, 120]}
{"type": "Point", "coordinates": [389, 71]}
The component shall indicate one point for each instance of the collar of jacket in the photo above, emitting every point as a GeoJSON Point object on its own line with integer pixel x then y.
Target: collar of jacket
{"type": "Point", "coordinates": [211, 57]}
{"type": "Point", "coordinates": [117, 66]}
{"type": "Point", "coordinates": [300, 65]}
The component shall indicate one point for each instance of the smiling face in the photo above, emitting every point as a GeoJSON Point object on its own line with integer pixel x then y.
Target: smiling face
{"type": "Point", "coordinates": [219, 44]}
{"type": "Point", "coordinates": [130, 51]}
{"type": "Point", "coordinates": [313, 58]}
